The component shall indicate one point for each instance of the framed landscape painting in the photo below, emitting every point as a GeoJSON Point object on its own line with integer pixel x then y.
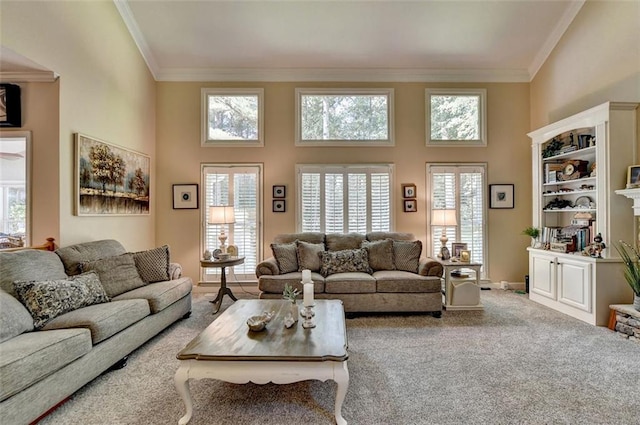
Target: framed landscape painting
{"type": "Point", "coordinates": [110, 180]}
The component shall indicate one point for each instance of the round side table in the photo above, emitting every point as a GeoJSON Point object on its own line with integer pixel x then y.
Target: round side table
{"type": "Point", "coordinates": [222, 264]}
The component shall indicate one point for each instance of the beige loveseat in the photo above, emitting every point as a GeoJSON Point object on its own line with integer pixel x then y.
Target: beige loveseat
{"type": "Point", "coordinates": [376, 272]}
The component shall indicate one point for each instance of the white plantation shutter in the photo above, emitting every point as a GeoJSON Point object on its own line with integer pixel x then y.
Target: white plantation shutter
{"type": "Point", "coordinates": [344, 198]}
{"type": "Point", "coordinates": [237, 186]}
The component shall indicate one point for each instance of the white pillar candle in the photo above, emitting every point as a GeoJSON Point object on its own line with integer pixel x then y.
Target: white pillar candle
{"type": "Point", "coordinates": [306, 276]}
{"type": "Point", "coordinates": [308, 295]}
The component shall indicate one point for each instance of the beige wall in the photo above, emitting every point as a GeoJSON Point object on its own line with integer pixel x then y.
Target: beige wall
{"type": "Point", "coordinates": [507, 155]}
{"type": "Point", "coordinates": [105, 91]}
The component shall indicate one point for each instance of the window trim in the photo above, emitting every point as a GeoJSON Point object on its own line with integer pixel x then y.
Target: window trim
{"type": "Point", "coordinates": [389, 141]}
{"type": "Point", "coordinates": [204, 117]}
{"type": "Point", "coordinates": [482, 118]}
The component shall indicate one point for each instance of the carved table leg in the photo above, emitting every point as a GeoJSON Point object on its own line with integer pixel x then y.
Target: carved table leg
{"type": "Point", "coordinates": [181, 380]}
{"type": "Point", "coordinates": [342, 379]}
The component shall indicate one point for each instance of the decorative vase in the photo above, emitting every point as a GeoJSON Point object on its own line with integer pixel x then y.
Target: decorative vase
{"type": "Point", "coordinates": [636, 302]}
{"type": "Point", "coordinates": [533, 242]}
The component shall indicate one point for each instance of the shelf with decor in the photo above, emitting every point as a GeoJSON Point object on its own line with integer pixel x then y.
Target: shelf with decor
{"type": "Point", "coordinates": [577, 165]}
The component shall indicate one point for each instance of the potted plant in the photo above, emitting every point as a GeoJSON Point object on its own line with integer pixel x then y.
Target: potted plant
{"type": "Point", "coordinates": [631, 259]}
{"type": "Point", "coordinates": [533, 232]}
{"type": "Point", "coordinates": [290, 295]}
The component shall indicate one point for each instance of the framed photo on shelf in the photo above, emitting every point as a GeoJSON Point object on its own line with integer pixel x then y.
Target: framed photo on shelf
{"type": "Point", "coordinates": [279, 191]}
{"type": "Point", "coordinates": [279, 205]}
{"type": "Point", "coordinates": [409, 190]}
{"type": "Point", "coordinates": [457, 247]}
{"type": "Point", "coordinates": [185, 196]}
{"type": "Point", "coordinates": [410, 205]}
{"type": "Point", "coordinates": [501, 196]}
{"type": "Point", "coordinates": [465, 256]}
{"type": "Point", "coordinates": [633, 177]}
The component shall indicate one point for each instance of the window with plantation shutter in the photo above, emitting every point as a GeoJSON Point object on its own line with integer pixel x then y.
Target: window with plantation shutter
{"type": "Point", "coordinates": [460, 187]}
{"type": "Point", "coordinates": [344, 198]}
{"type": "Point", "coordinates": [237, 185]}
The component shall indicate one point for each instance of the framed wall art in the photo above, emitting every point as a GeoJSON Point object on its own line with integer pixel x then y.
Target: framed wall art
{"type": "Point", "coordinates": [409, 190]}
{"type": "Point", "coordinates": [410, 205]}
{"type": "Point", "coordinates": [279, 205]}
{"type": "Point", "coordinates": [109, 179]}
{"type": "Point", "coordinates": [501, 196]}
{"type": "Point", "coordinates": [10, 108]}
{"type": "Point", "coordinates": [185, 196]}
{"type": "Point", "coordinates": [279, 191]}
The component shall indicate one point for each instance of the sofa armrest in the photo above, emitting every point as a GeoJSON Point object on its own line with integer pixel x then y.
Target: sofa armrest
{"type": "Point", "coordinates": [268, 267]}
{"type": "Point", "coordinates": [430, 267]}
{"type": "Point", "coordinates": [175, 271]}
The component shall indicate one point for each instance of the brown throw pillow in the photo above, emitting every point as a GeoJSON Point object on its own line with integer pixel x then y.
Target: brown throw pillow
{"type": "Point", "coordinates": [308, 255]}
{"type": "Point", "coordinates": [380, 254]}
{"type": "Point", "coordinates": [153, 265]}
{"type": "Point", "coordinates": [406, 255]}
{"type": "Point", "coordinates": [286, 256]}
{"type": "Point", "coordinates": [118, 274]}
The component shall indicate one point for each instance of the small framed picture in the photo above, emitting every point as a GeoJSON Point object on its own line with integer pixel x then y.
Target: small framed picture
{"type": "Point", "coordinates": [185, 196]}
{"type": "Point", "coordinates": [410, 205]}
{"type": "Point", "coordinates": [633, 177]}
{"type": "Point", "coordinates": [10, 109]}
{"type": "Point", "coordinates": [279, 205]}
{"type": "Point", "coordinates": [279, 191]}
{"type": "Point", "coordinates": [465, 256]}
{"type": "Point", "coordinates": [457, 247]}
{"type": "Point", "coordinates": [501, 196]}
{"type": "Point", "coordinates": [409, 190]}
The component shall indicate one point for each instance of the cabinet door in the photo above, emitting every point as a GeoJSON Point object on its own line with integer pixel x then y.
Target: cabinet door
{"type": "Point", "coordinates": [542, 279]}
{"type": "Point", "coordinates": [574, 284]}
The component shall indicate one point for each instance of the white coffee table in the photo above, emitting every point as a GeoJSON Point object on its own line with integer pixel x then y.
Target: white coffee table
{"type": "Point", "coordinates": [228, 351]}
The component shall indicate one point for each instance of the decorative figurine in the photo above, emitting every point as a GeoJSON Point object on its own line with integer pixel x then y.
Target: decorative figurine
{"type": "Point", "coordinates": [595, 249]}
{"type": "Point", "coordinates": [207, 255]}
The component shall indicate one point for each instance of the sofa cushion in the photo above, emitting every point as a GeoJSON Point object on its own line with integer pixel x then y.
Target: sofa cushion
{"type": "Point", "coordinates": [347, 260]}
{"type": "Point", "coordinates": [380, 254]}
{"type": "Point", "coordinates": [103, 320]}
{"type": "Point", "coordinates": [350, 283]}
{"type": "Point", "coordinates": [153, 264]}
{"type": "Point", "coordinates": [401, 281]}
{"type": "Point", "coordinates": [118, 274]}
{"type": "Point", "coordinates": [286, 255]}
{"type": "Point", "coordinates": [342, 241]}
{"type": "Point", "coordinates": [274, 284]}
{"type": "Point", "coordinates": [73, 255]}
{"type": "Point", "coordinates": [48, 299]}
{"type": "Point", "coordinates": [30, 264]}
{"type": "Point", "coordinates": [308, 255]}
{"type": "Point", "coordinates": [32, 356]}
{"type": "Point", "coordinates": [160, 295]}
{"type": "Point", "coordinates": [311, 237]}
{"type": "Point", "coordinates": [14, 317]}
{"type": "Point", "coordinates": [406, 255]}
{"type": "Point", "coordinates": [396, 236]}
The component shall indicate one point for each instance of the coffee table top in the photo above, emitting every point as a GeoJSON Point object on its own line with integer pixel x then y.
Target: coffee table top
{"type": "Point", "coordinates": [229, 337]}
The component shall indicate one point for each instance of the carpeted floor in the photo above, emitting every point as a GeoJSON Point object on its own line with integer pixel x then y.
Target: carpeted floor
{"type": "Point", "coordinates": [514, 363]}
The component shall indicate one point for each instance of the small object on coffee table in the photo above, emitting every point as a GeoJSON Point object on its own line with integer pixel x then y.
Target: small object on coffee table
{"type": "Point", "coordinates": [259, 323]}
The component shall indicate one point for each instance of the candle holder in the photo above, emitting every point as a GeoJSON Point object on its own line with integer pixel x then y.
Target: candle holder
{"type": "Point", "coordinates": [307, 314]}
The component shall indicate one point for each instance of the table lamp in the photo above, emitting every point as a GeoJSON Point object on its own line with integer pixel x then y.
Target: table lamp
{"type": "Point", "coordinates": [222, 216]}
{"type": "Point", "coordinates": [443, 218]}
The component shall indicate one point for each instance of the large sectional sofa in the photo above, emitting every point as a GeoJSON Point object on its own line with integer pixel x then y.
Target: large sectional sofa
{"type": "Point", "coordinates": [373, 272]}
{"type": "Point", "coordinates": [68, 316]}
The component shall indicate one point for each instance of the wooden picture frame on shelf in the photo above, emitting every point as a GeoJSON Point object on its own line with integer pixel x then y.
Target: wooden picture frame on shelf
{"type": "Point", "coordinates": [633, 177]}
{"type": "Point", "coordinates": [465, 256]}
{"type": "Point", "coordinates": [456, 248]}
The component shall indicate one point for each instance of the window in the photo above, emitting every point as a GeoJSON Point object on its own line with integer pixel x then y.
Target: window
{"type": "Point", "coordinates": [237, 185]}
{"type": "Point", "coordinates": [232, 117]}
{"type": "Point", "coordinates": [344, 198]}
{"type": "Point", "coordinates": [14, 186]}
{"type": "Point", "coordinates": [459, 187]}
{"type": "Point", "coordinates": [456, 117]}
{"type": "Point", "coordinates": [344, 117]}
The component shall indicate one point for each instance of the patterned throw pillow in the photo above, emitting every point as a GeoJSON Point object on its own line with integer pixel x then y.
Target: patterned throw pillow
{"type": "Point", "coordinates": [49, 299]}
{"type": "Point", "coordinates": [380, 254]}
{"type": "Point", "coordinates": [406, 255]}
{"type": "Point", "coordinates": [153, 265]}
{"type": "Point", "coordinates": [309, 255]}
{"type": "Point", "coordinates": [118, 274]}
{"type": "Point", "coordinates": [348, 260]}
{"type": "Point", "coordinates": [286, 256]}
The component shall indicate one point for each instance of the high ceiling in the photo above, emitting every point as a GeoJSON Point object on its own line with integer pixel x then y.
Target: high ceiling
{"type": "Point", "coordinates": [323, 40]}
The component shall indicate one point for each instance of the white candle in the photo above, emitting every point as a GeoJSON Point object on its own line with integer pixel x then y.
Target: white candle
{"type": "Point", "coordinates": [308, 294]}
{"type": "Point", "coordinates": [306, 276]}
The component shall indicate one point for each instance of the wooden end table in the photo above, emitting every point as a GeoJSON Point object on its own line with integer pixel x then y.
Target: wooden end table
{"type": "Point", "coordinates": [227, 350]}
{"type": "Point", "coordinates": [222, 264]}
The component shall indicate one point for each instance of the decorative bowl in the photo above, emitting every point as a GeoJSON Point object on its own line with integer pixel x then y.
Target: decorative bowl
{"type": "Point", "coordinates": [259, 323]}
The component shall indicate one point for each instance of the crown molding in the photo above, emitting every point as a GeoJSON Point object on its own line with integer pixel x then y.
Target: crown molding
{"type": "Point", "coordinates": [28, 76]}
{"type": "Point", "coordinates": [136, 34]}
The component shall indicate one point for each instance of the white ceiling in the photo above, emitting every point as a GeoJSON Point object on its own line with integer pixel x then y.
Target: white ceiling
{"type": "Point", "coordinates": [365, 40]}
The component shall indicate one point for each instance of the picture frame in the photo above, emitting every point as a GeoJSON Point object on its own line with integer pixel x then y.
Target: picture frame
{"type": "Point", "coordinates": [633, 177]}
{"type": "Point", "coordinates": [279, 191]}
{"type": "Point", "coordinates": [445, 254]}
{"type": "Point", "coordinates": [457, 247]}
{"type": "Point", "coordinates": [185, 196]}
{"type": "Point", "coordinates": [409, 205]}
{"type": "Point", "coordinates": [408, 190]}
{"type": "Point", "coordinates": [279, 205]}
{"type": "Point", "coordinates": [501, 196]}
{"type": "Point", "coordinates": [110, 179]}
{"type": "Point", "coordinates": [10, 106]}
{"type": "Point", "coordinates": [465, 256]}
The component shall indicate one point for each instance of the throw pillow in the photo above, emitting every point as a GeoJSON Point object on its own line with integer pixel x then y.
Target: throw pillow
{"type": "Point", "coordinates": [286, 256]}
{"type": "Point", "coordinates": [347, 260]}
{"type": "Point", "coordinates": [118, 274]}
{"type": "Point", "coordinates": [49, 299]}
{"type": "Point", "coordinates": [380, 254]}
{"type": "Point", "coordinates": [153, 265]}
{"type": "Point", "coordinates": [308, 255]}
{"type": "Point", "coordinates": [406, 255]}
{"type": "Point", "coordinates": [14, 317]}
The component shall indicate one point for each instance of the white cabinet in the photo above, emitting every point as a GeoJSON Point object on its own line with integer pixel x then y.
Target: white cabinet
{"type": "Point", "coordinates": [578, 163]}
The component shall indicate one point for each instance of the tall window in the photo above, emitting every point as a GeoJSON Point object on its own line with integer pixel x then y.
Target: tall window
{"type": "Point", "coordinates": [232, 117]}
{"type": "Point", "coordinates": [237, 185]}
{"type": "Point", "coordinates": [456, 117]}
{"type": "Point", "coordinates": [339, 117]}
{"type": "Point", "coordinates": [14, 205]}
{"type": "Point", "coordinates": [344, 198]}
{"type": "Point", "coordinates": [460, 187]}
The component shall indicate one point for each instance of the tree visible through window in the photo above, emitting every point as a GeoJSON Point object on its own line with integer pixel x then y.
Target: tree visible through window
{"type": "Point", "coordinates": [233, 116]}
{"type": "Point", "coordinates": [456, 117]}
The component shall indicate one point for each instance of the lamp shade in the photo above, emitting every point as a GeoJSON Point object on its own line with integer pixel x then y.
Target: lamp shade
{"type": "Point", "coordinates": [443, 218]}
{"type": "Point", "coordinates": [221, 215]}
